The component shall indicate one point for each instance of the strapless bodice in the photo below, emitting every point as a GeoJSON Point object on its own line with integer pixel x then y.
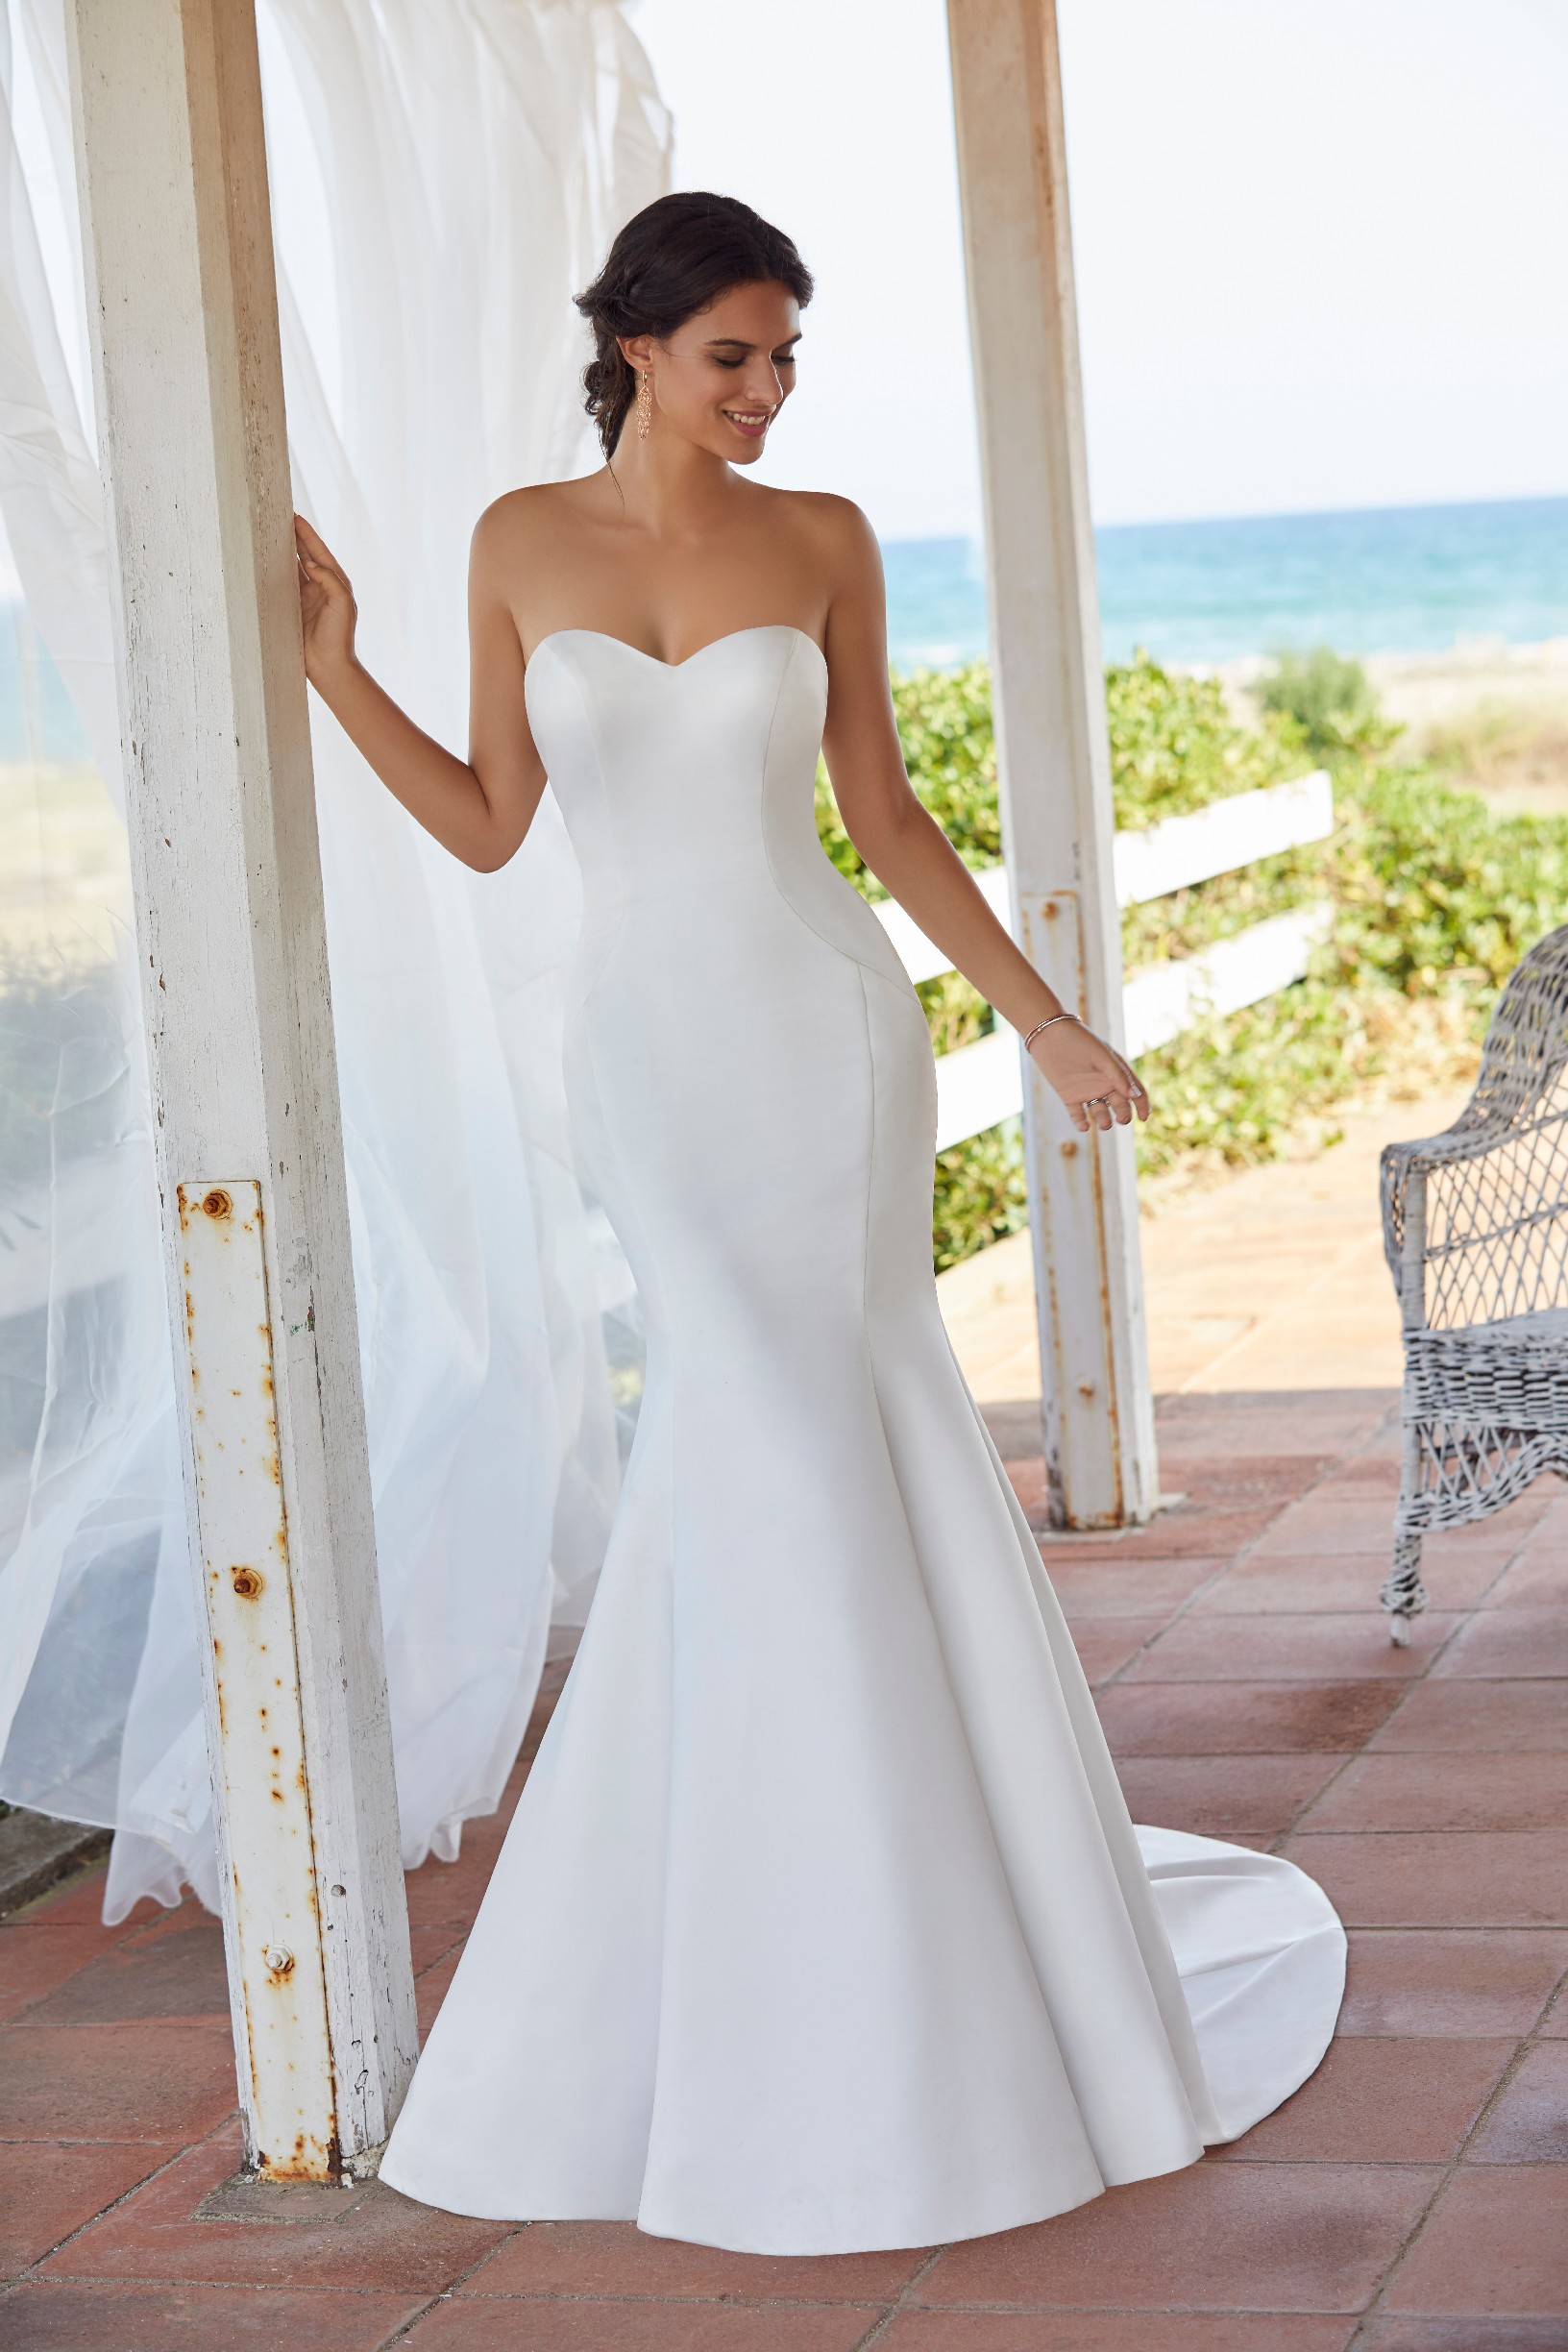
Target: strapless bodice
{"type": "Point", "coordinates": [688, 785]}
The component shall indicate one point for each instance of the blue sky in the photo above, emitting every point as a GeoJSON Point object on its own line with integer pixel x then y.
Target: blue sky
{"type": "Point", "coordinates": [1322, 249]}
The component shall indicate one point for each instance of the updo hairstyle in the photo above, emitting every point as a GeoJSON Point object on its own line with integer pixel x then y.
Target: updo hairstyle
{"type": "Point", "coordinates": [670, 262]}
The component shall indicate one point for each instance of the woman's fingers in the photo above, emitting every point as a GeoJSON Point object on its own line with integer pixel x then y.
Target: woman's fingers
{"type": "Point", "coordinates": [1114, 1108]}
{"type": "Point", "coordinates": [317, 559]}
{"type": "Point", "coordinates": [1098, 1087]}
{"type": "Point", "coordinates": [311, 539]}
{"type": "Point", "coordinates": [1132, 1098]}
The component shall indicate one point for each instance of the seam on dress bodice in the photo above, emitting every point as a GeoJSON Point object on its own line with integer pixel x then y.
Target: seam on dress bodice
{"type": "Point", "coordinates": [900, 987]}
{"type": "Point", "coordinates": [608, 920]}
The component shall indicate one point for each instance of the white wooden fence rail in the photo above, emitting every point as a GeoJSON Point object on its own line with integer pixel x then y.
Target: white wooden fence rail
{"type": "Point", "coordinates": [981, 1084]}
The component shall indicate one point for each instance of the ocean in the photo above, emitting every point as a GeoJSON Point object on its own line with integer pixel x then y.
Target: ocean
{"type": "Point", "coordinates": [1404, 580]}
{"type": "Point", "coordinates": [1397, 579]}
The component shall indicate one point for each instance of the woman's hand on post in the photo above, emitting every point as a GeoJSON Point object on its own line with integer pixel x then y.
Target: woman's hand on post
{"type": "Point", "coordinates": [1097, 1086]}
{"type": "Point", "coordinates": [327, 608]}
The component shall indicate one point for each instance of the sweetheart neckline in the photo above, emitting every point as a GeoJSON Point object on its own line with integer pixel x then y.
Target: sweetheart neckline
{"type": "Point", "coordinates": [758, 629]}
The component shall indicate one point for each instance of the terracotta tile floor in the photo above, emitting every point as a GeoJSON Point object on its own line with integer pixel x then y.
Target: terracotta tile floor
{"type": "Point", "coordinates": [1411, 2197]}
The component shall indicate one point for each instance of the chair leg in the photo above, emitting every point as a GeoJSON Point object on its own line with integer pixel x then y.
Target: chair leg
{"type": "Point", "coordinates": [1404, 1596]}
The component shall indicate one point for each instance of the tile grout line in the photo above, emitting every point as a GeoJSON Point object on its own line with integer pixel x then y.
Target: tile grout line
{"type": "Point", "coordinates": [538, 2298]}
{"type": "Point", "coordinates": [400, 2335]}
{"type": "Point", "coordinates": [1200, 1591]}
{"type": "Point", "coordinates": [28, 2276]}
{"type": "Point", "coordinates": [1414, 1683]}
{"type": "Point", "coordinates": [878, 2328]}
{"type": "Point", "coordinates": [1455, 2165]}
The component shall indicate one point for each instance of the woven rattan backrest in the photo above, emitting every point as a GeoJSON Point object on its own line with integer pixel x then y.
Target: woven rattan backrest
{"type": "Point", "coordinates": [1497, 1216]}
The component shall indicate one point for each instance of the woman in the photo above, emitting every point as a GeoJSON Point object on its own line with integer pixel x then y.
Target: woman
{"type": "Point", "coordinates": [822, 1924]}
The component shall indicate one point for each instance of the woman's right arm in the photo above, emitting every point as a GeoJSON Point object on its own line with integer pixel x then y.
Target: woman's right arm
{"type": "Point", "coordinates": [481, 808]}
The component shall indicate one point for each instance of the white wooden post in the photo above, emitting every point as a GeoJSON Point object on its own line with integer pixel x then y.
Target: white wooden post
{"type": "Point", "coordinates": [229, 929]}
{"type": "Point", "coordinates": [1049, 696]}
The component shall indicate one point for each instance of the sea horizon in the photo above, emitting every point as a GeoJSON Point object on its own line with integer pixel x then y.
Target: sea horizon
{"type": "Point", "coordinates": [1370, 579]}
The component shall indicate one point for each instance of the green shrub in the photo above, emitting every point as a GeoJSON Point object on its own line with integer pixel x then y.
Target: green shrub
{"type": "Point", "coordinates": [957, 1013]}
{"type": "Point", "coordinates": [1236, 1088]}
{"type": "Point", "coordinates": [1174, 745]}
{"type": "Point", "coordinates": [945, 728]}
{"type": "Point", "coordinates": [1435, 899]}
{"type": "Point", "coordinates": [979, 1195]}
{"type": "Point", "coordinates": [1329, 700]}
{"type": "Point", "coordinates": [951, 752]}
{"type": "Point", "coordinates": [1434, 890]}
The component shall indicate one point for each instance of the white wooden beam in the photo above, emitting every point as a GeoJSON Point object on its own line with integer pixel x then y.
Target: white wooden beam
{"type": "Point", "coordinates": [1169, 856]}
{"type": "Point", "coordinates": [1053, 753]}
{"type": "Point", "coordinates": [1236, 831]}
{"type": "Point", "coordinates": [1162, 999]}
{"type": "Point", "coordinates": [183, 305]}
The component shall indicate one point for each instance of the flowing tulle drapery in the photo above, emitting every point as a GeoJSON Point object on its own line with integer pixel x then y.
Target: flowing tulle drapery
{"type": "Point", "coordinates": [442, 179]}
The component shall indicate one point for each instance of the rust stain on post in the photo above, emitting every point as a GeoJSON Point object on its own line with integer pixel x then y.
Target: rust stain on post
{"type": "Point", "coordinates": [242, 1519]}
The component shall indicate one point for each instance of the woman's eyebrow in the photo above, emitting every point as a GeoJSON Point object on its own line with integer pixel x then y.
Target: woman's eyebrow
{"type": "Point", "coordinates": [738, 343]}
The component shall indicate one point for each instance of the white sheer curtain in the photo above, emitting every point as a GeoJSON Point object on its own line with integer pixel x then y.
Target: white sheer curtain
{"type": "Point", "coordinates": [444, 178]}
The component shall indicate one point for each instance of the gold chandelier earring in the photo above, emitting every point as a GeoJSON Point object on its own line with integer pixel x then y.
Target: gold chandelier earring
{"type": "Point", "coordinates": [644, 403]}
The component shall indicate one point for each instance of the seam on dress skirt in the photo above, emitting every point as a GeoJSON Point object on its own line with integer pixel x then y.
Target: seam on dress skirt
{"type": "Point", "coordinates": [668, 1352]}
{"type": "Point", "coordinates": [915, 1552]}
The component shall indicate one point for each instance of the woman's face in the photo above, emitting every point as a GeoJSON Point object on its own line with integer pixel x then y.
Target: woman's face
{"type": "Point", "coordinates": [722, 378]}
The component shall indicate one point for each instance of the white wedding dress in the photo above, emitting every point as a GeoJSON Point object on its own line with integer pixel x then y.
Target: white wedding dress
{"type": "Point", "coordinates": [822, 1924]}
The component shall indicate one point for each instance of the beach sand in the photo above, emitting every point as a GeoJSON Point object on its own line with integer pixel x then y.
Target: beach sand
{"type": "Point", "coordinates": [1493, 716]}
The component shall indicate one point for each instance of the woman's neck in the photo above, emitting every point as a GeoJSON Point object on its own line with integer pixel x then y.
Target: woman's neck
{"type": "Point", "coordinates": [667, 485]}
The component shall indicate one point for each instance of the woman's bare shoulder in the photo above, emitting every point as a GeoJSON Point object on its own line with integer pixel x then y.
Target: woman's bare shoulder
{"type": "Point", "coordinates": [832, 534]}
{"type": "Point", "coordinates": [832, 521]}
{"type": "Point", "coordinates": [535, 515]}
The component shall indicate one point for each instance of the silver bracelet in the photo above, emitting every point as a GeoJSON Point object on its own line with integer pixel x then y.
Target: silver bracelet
{"type": "Point", "coordinates": [1046, 1024]}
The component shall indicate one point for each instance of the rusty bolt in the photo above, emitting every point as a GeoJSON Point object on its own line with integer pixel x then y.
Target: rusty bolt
{"type": "Point", "coordinates": [279, 1959]}
{"type": "Point", "coordinates": [1069, 1149]}
{"type": "Point", "coordinates": [1086, 1388]}
{"type": "Point", "coordinates": [246, 1581]}
{"type": "Point", "coordinates": [217, 1203]}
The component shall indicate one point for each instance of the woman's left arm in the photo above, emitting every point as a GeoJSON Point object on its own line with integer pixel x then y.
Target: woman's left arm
{"type": "Point", "coordinates": [913, 858]}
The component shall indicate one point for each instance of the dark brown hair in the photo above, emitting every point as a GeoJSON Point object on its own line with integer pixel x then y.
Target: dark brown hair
{"type": "Point", "coordinates": [670, 262]}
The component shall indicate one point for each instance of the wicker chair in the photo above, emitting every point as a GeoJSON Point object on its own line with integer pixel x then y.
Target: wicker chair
{"type": "Point", "coordinates": [1475, 1228]}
